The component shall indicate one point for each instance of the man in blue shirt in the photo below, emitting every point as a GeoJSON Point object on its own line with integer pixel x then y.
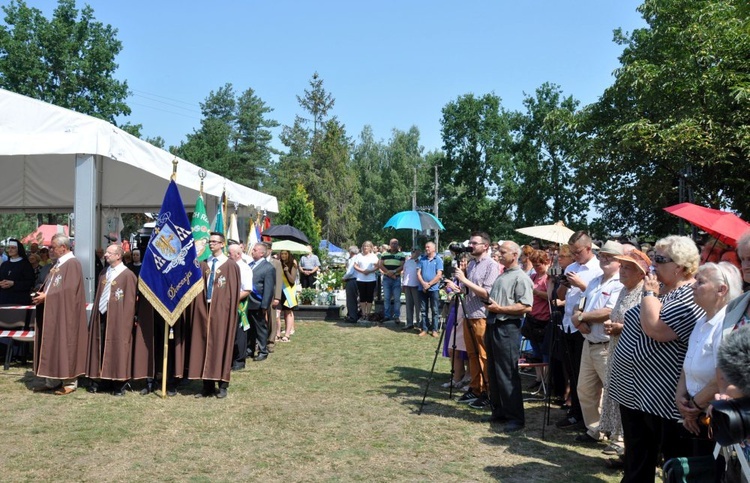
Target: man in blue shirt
{"type": "Point", "coordinates": [429, 274]}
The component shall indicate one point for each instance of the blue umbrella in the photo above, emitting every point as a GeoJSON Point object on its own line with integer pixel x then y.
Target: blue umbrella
{"type": "Point", "coordinates": [414, 220]}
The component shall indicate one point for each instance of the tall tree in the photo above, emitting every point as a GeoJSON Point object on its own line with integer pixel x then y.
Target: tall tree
{"type": "Point", "coordinates": [234, 139]}
{"type": "Point", "coordinates": [319, 158]}
{"type": "Point", "coordinates": [68, 61]}
{"type": "Point", "coordinates": [338, 199]}
{"type": "Point", "coordinates": [252, 138]}
{"type": "Point", "coordinates": [676, 116]}
{"type": "Point", "coordinates": [477, 175]}
{"type": "Point", "coordinates": [368, 158]}
{"type": "Point", "coordinates": [545, 147]}
{"type": "Point", "coordinates": [297, 210]}
{"type": "Point", "coordinates": [386, 173]}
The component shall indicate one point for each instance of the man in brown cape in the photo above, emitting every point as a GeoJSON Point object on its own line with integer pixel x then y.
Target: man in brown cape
{"type": "Point", "coordinates": [214, 321]}
{"type": "Point", "coordinates": [60, 336]}
{"type": "Point", "coordinates": [111, 344]}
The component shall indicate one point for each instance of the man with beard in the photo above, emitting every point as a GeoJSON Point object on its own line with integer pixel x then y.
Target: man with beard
{"type": "Point", "coordinates": [480, 275]}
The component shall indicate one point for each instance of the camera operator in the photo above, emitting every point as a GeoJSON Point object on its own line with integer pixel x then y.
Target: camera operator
{"type": "Point", "coordinates": [730, 413]}
{"type": "Point", "coordinates": [478, 279]}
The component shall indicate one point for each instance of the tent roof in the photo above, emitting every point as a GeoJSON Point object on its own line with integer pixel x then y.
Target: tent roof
{"type": "Point", "coordinates": [39, 143]}
{"type": "Point", "coordinates": [44, 233]}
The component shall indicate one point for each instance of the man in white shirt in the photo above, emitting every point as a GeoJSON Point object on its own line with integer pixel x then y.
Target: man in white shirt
{"type": "Point", "coordinates": [583, 270]}
{"type": "Point", "coordinates": [600, 298]}
{"type": "Point", "coordinates": [246, 286]}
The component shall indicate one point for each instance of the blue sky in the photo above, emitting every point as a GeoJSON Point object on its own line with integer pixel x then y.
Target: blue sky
{"type": "Point", "coordinates": [389, 64]}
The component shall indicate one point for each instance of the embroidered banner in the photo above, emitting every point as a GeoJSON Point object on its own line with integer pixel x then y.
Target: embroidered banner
{"type": "Point", "coordinates": [170, 276]}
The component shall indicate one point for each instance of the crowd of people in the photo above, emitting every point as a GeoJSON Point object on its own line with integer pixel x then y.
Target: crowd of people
{"type": "Point", "coordinates": [630, 336]}
{"type": "Point", "coordinates": [246, 302]}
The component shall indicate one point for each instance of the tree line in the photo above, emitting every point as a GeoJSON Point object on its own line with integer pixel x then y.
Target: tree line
{"type": "Point", "coordinates": [672, 127]}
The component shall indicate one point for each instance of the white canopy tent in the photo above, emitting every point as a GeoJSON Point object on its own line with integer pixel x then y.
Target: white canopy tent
{"type": "Point", "coordinates": [56, 160]}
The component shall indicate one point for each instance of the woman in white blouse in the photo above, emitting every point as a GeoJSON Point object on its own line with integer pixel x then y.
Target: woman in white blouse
{"type": "Point", "coordinates": [715, 286]}
{"type": "Point", "coordinates": [366, 267]}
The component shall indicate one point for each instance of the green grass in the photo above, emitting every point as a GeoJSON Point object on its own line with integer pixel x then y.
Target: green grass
{"type": "Point", "coordinates": [338, 403]}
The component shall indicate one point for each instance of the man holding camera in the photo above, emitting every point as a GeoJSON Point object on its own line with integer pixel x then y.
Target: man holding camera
{"type": "Point", "coordinates": [510, 299]}
{"type": "Point", "coordinates": [480, 275]}
{"type": "Point", "coordinates": [583, 270]}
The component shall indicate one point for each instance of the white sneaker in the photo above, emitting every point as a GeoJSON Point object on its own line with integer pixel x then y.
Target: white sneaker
{"type": "Point", "coordinates": [448, 384]}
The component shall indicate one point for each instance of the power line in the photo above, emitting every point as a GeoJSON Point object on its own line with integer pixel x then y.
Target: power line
{"type": "Point", "coordinates": [166, 110]}
{"type": "Point", "coordinates": [167, 103]}
{"type": "Point", "coordinates": [192, 104]}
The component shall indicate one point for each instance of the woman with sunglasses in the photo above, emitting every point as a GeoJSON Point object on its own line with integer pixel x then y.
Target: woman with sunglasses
{"type": "Point", "coordinates": [648, 359]}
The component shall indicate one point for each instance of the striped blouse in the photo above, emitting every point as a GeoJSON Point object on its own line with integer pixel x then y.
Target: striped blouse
{"type": "Point", "coordinates": [645, 372]}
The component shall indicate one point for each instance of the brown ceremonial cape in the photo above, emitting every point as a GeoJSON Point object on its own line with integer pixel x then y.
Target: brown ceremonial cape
{"type": "Point", "coordinates": [143, 341]}
{"type": "Point", "coordinates": [214, 327]}
{"type": "Point", "coordinates": [60, 336]}
{"type": "Point", "coordinates": [110, 355]}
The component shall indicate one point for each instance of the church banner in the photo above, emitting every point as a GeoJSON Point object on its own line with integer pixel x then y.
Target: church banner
{"type": "Point", "coordinates": [170, 276]}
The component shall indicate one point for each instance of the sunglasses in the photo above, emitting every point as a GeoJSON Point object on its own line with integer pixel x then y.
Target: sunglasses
{"type": "Point", "coordinates": [661, 259]}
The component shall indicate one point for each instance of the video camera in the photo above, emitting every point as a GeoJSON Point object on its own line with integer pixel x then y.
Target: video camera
{"type": "Point", "coordinates": [556, 273]}
{"type": "Point", "coordinates": [457, 248]}
{"type": "Point", "coordinates": [730, 420]}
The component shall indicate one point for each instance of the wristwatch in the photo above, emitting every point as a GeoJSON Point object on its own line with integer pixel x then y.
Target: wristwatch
{"type": "Point", "coordinates": [649, 293]}
{"type": "Point", "coordinates": [580, 317]}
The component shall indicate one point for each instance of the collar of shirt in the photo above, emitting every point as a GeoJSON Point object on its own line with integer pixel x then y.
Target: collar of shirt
{"type": "Point", "coordinates": [65, 258]}
{"type": "Point", "coordinates": [117, 270]}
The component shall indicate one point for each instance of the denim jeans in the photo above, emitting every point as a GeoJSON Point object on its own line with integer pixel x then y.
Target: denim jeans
{"type": "Point", "coordinates": [392, 289]}
{"type": "Point", "coordinates": [431, 299]}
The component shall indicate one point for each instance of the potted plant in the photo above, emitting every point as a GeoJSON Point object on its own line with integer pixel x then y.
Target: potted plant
{"type": "Point", "coordinates": [307, 296]}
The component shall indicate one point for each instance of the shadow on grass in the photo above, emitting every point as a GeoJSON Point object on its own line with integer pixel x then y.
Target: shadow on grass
{"type": "Point", "coordinates": [553, 462]}
{"type": "Point", "coordinates": [559, 455]}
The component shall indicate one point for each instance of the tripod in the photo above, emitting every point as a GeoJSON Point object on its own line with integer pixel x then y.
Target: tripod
{"type": "Point", "coordinates": [459, 298]}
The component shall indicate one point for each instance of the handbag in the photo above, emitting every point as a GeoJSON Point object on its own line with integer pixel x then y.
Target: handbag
{"type": "Point", "coordinates": [534, 329]}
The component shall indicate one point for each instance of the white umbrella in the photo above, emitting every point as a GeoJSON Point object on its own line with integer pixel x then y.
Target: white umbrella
{"type": "Point", "coordinates": [557, 233]}
{"type": "Point", "coordinates": [290, 246]}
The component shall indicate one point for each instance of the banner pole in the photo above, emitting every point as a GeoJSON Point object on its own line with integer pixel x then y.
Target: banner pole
{"type": "Point", "coordinates": [164, 363]}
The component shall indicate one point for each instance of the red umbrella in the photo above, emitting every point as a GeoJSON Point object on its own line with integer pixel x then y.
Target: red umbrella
{"type": "Point", "coordinates": [722, 225]}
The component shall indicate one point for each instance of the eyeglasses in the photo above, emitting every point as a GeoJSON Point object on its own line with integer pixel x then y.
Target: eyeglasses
{"type": "Point", "coordinates": [215, 241]}
{"type": "Point", "coordinates": [661, 259]}
{"type": "Point", "coordinates": [476, 243]}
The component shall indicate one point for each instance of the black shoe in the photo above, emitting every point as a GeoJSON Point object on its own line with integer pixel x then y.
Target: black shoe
{"type": "Point", "coordinates": [496, 420]}
{"type": "Point", "coordinates": [93, 388]}
{"type": "Point", "coordinates": [482, 402]}
{"type": "Point", "coordinates": [512, 427]}
{"type": "Point", "coordinates": [222, 393]}
{"type": "Point", "coordinates": [119, 393]}
{"type": "Point", "coordinates": [569, 422]}
{"type": "Point", "coordinates": [468, 397]}
{"type": "Point", "coordinates": [148, 389]}
{"type": "Point", "coordinates": [586, 438]}
{"type": "Point", "coordinates": [238, 367]}
{"type": "Point", "coordinates": [205, 393]}
{"type": "Point", "coordinates": [408, 327]}
{"type": "Point", "coordinates": [260, 358]}
{"type": "Point", "coordinates": [171, 392]}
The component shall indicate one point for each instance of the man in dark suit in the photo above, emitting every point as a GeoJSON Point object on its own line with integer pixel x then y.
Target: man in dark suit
{"type": "Point", "coordinates": [261, 297]}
